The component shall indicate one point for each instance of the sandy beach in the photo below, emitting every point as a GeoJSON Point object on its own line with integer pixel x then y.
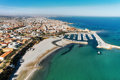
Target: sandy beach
{"type": "Point", "coordinates": [33, 57]}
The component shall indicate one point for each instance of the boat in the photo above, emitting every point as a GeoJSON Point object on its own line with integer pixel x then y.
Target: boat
{"type": "Point", "coordinates": [99, 52]}
{"type": "Point", "coordinates": [21, 60]}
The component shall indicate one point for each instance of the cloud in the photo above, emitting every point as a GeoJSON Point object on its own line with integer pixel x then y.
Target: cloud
{"type": "Point", "coordinates": [103, 10]}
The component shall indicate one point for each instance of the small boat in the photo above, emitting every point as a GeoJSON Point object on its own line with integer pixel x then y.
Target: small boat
{"type": "Point", "coordinates": [21, 60]}
{"type": "Point", "coordinates": [99, 52]}
{"type": "Point", "coordinates": [12, 66]}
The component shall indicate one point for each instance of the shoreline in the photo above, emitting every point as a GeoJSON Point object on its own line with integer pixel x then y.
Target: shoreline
{"type": "Point", "coordinates": [47, 54]}
{"type": "Point", "coordinates": [37, 64]}
{"type": "Point", "coordinates": [30, 66]}
{"type": "Point", "coordinates": [45, 58]}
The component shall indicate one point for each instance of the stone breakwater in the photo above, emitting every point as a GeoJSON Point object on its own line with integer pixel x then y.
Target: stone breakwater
{"type": "Point", "coordinates": [102, 44]}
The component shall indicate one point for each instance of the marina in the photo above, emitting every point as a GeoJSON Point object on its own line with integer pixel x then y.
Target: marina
{"type": "Point", "coordinates": [80, 35]}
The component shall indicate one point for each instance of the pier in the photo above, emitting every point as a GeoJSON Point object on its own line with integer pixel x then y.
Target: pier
{"type": "Point", "coordinates": [77, 42]}
{"type": "Point", "coordinates": [84, 37]}
{"type": "Point", "coordinates": [79, 36]}
{"type": "Point", "coordinates": [101, 43]}
{"type": "Point", "coordinates": [68, 36]}
{"type": "Point", "coordinates": [74, 35]}
{"type": "Point", "coordinates": [90, 36]}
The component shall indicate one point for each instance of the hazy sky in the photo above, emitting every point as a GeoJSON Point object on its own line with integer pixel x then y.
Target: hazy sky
{"type": "Point", "coordinates": [60, 7]}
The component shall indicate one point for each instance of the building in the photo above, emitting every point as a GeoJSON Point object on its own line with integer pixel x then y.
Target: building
{"type": "Point", "coordinates": [14, 45]}
{"type": "Point", "coordinates": [7, 49]}
{"type": "Point", "coordinates": [3, 56]}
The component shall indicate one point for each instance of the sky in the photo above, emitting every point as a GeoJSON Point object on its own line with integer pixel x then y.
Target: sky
{"type": "Point", "coordinates": [60, 7]}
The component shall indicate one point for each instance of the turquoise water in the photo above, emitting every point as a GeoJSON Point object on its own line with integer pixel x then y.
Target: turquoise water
{"type": "Point", "coordinates": [84, 64]}
{"type": "Point", "coordinates": [81, 62]}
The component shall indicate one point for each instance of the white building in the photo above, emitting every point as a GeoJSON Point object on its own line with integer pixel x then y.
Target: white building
{"type": "Point", "coordinates": [13, 45]}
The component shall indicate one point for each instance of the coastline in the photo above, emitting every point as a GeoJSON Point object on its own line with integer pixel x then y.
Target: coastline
{"type": "Point", "coordinates": [37, 64]}
{"type": "Point", "coordinates": [45, 58]}
{"type": "Point", "coordinates": [30, 66]}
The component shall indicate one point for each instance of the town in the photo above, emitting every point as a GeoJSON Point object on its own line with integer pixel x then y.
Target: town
{"type": "Point", "coordinates": [19, 33]}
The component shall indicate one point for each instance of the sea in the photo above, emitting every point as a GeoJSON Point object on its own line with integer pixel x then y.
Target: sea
{"type": "Point", "coordinates": [82, 62]}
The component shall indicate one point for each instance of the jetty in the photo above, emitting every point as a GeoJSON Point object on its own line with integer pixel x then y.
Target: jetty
{"type": "Point", "coordinates": [102, 44]}
{"type": "Point", "coordinates": [84, 37]}
{"type": "Point", "coordinates": [68, 36]}
{"type": "Point", "coordinates": [90, 36]}
{"type": "Point", "coordinates": [74, 36]}
{"type": "Point", "coordinates": [79, 36]}
{"type": "Point", "coordinates": [77, 42]}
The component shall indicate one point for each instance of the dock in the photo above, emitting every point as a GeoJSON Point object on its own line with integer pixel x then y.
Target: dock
{"type": "Point", "coordinates": [90, 36]}
{"type": "Point", "coordinates": [101, 43]}
{"type": "Point", "coordinates": [79, 36]}
{"type": "Point", "coordinates": [77, 42]}
{"type": "Point", "coordinates": [84, 37]}
{"type": "Point", "coordinates": [74, 36]}
{"type": "Point", "coordinates": [68, 36]}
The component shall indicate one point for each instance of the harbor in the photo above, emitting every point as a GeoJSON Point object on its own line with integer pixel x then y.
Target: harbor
{"type": "Point", "coordinates": [83, 38]}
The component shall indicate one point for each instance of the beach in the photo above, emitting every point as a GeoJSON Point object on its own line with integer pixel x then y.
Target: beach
{"type": "Point", "coordinates": [33, 57]}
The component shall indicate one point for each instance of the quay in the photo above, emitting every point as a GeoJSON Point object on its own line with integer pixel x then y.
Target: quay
{"type": "Point", "coordinates": [77, 42]}
{"type": "Point", "coordinates": [101, 43]}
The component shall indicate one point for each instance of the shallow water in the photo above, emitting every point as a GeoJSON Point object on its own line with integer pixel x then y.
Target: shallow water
{"type": "Point", "coordinates": [82, 62]}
